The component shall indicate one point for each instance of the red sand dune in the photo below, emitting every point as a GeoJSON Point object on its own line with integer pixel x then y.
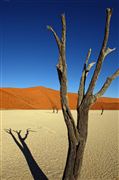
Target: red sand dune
{"type": "Point", "coordinates": [45, 98]}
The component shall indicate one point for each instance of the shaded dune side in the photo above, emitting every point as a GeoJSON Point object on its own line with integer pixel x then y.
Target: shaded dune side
{"type": "Point", "coordinates": [45, 98]}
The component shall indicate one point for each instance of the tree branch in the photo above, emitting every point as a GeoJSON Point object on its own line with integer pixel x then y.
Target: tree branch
{"type": "Point", "coordinates": [81, 89]}
{"type": "Point", "coordinates": [88, 56]}
{"type": "Point", "coordinates": [109, 50]}
{"type": "Point", "coordinates": [56, 37]}
{"type": "Point", "coordinates": [62, 57]}
{"type": "Point", "coordinates": [107, 84]}
{"type": "Point", "coordinates": [89, 68]}
{"type": "Point", "coordinates": [102, 54]}
{"type": "Point", "coordinates": [63, 29]}
{"type": "Point", "coordinates": [107, 26]}
{"type": "Point", "coordinates": [62, 74]}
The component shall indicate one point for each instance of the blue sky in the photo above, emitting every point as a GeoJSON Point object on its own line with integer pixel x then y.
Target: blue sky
{"type": "Point", "coordinates": [28, 50]}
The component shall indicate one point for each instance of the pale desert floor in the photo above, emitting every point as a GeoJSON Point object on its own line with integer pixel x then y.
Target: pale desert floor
{"type": "Point", "coordinates": [49, 145]}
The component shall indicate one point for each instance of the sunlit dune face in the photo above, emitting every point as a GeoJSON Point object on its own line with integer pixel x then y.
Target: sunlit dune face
{"type": "Point", "coordinates": [45, 98]}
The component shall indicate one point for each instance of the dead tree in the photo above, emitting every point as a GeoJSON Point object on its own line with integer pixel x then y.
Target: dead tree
{"type": "Point", "coordinates": [102, 111]}
{"type": "Point", "coordinates": [77, 133]}
{"type": "Point", "coordinates": [53, 110]}
{"type": "Point", "coordinates": [35, 170]}
{"type": "Point", "coordinates": [56, 110]}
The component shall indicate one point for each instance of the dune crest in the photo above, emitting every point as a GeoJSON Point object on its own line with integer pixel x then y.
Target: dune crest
{"type": "Point", "coordinates": [46, 98]}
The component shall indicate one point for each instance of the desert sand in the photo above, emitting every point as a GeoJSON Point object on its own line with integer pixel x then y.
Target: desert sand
{"type": "Point", "coordinates": [49, 144]}
{"type": "Point", "coordinates": [46, 98]}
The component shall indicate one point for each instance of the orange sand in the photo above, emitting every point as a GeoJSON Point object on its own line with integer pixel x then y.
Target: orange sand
{"type": "Point", "coordinates": [45, 98]}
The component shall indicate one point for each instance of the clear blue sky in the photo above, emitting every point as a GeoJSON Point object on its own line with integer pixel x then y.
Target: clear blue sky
{"type": "Point", "coordinates": [28, 50]}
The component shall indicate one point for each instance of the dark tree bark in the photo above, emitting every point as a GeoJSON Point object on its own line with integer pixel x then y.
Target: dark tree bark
{"type": "Point", "coordinates": [77, 133]}
{"type": "Point", "coordinates": [102, 111]}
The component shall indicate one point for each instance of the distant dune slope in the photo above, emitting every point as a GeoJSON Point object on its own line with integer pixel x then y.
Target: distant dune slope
{"type": "Point", "coordinates": [45, 98]}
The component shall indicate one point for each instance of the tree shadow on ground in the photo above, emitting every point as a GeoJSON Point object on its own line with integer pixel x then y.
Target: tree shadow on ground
{"type": "Point", "coordinates": [35, 170]}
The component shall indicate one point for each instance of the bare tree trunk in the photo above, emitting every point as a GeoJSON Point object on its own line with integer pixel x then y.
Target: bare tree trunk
{"type": "Point", "coordinates": [77, 134]}
{"type": "Point", "coordinates": [70, 162]}
{"type": "Point", "coordinates": [75, 152]}
{"type": "Point", "coordinates": [83, 132]}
